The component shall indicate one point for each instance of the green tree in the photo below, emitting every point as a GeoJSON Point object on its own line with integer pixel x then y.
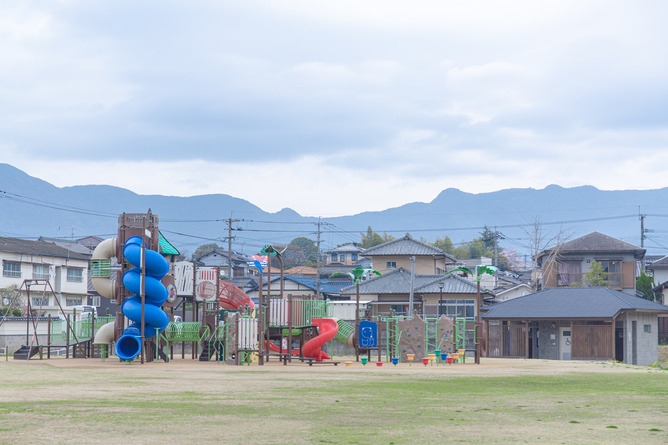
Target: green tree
{"type": "Point", "coordinates": [489, 238]}
{"type": "Point", "coordinates": [595, 276]}
{"type": "Point", "coordinates": [371, 239]}
{"type": "Point", "coordinates": [445, 243]}
{"type": "Point", "coordinates": [645, 284]}
{"type": "Point", "coordinates": [204, 249]}
{"type": "Point", "coordinates": [308, 249]}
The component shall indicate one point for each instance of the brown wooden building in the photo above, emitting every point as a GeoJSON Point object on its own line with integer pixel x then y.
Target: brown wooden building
{"type": "Point", "coordinates": [578, 323]}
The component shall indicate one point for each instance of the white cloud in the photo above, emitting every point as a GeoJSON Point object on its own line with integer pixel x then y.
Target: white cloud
{"type": "Point", "coordinates": [399, 99]}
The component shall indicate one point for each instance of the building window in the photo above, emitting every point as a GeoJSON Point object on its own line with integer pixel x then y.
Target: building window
{"type": "Point", "coordinates": [40, 271]}
{"type": "Point", "coordinates": [39, 302]}
{"type": "Point", "coordinates": [614, 271]}
{"type": "Point", "coordinates": [335, 256]}
{"type": "Point", "coordinates": [11, 269]}
{"type": "Point", "coordinates": [568, 273]}
{"type": "Point", "coordinates": [74, 275]}
{"type": "Point", "coordinates": [648, 328]}
{"type": "Point", "coordinates": [353, 256]}
{"type": "Point", "coordinates": [73, 301]}
{"type": "Point", "coordinates": [342, 258]}
{"type": "Point", "coordinates": [458, 308]}
{"type": "Point", "coordinates": [391, 265]}
{"type": "Point", "coordinates": [399, 309]}
{"type": "Point", "coordinates": [96, 301]}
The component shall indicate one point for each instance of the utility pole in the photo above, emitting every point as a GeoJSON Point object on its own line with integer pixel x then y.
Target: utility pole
{"type": "Point", "coordinates": [410, 295]}
{"type": "Point", "coordinates": [642, 230]}
{"type": "Point", "coordinates": [317, 261]}
{"type": "Point", "coordinates": [229, 245]}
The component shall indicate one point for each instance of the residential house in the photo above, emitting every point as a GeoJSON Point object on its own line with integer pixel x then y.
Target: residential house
{"type": "Point", "coordinates": [401, 252]}
{"type": "Point", "coordinates": [220, 258]}
{"type": "Point", "coordinates": [566, 264]}
{"type": "Point", "coordinates": [659, 270]}
{"type": "Point", "coordinates": [342, 259]}
{"type": "Point", "coordinates": [297, 286]}
{"type": "Point", "coordinates": [575, 323]}
{"type": "Point", "coordinates": [65, 271]}
{"type": "Point", "coordinates": [302, 271]}
{"type": "Point", "coordinates": [510, 285]}
{"type": "Point", "coordinates": [346, 255]}
{"type": "Point", "coordinates": [433, 294]}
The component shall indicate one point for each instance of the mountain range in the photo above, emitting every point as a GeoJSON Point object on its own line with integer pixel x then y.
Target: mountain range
{"type": "Point", "coordinates": [31, 207]}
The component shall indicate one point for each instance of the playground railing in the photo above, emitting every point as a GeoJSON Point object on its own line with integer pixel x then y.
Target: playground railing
{"type": "Point", "coordinates": [81, 328]}
{"type": "Point", "coordinates": [248, 333]}
{"type": "Point", "coordinates": [188, 331]}
{"type": "Point", "coordinates": [302, 312]}
{"type": "Point", "coordinates": [100, 268]}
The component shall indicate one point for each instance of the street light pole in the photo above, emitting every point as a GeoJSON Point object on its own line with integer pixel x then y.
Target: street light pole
{"type": "Point", "coordinates": [440, 300]}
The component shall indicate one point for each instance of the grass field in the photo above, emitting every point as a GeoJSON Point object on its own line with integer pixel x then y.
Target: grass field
{"type": "Point", "coordinates": [499, 401]}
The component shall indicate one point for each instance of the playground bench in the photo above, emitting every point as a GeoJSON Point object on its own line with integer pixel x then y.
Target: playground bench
{"type": "Point", "coordinates": [312, 361]}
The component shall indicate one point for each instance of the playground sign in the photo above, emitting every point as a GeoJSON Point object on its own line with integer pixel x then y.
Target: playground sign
{"type": "Point", "coordinates": [258, 259]}
{"type": "Point", "coordinates": [206, 282]}
{"type": "Point", "coordinates": [368, 334]}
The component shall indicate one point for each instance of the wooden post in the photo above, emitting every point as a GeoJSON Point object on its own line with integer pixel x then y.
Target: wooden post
{"type": "Point", "coordinates": [476, 329]}
{"type": "Point", "coordinates": [183, 318]}
{"type": "Point", "coordinates": [196, 318]}
{"type": "Point", "coordinates": [260, 357]}
{"type": "Point", "coordinates": [67, 337]}
{"type": "Point", "coordinates": [357, 322]}
{"type": "Point", "coordinates": [92, 334]}
{"type": "Point", "coordinates": [614, 339]}
{"type": "Point", "coordinates": [264, 347]}
{"type": "Point", "coordinates": [526, 339]}
{"type": "Point", "coordinates": [142, 287]}
{"type": "Point", "coordinates": [171, 350]}
{"type": "Point", "coordinates": [487, 334]}
{"type": "Point", "coordinates": [289, 327]}
{"type": "Point", "coordinates": [380, 336]}
{"type": "Point", "coordinates": [48, 336]}
{"type": "Point", "coordinates": [29, 314]}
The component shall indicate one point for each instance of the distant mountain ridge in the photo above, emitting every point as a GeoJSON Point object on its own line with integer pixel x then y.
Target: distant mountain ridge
{"type": "Point", "coordinates": [31, 207]}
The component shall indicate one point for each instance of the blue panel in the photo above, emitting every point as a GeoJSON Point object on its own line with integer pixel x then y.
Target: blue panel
{"type": "Point", "coordinates": [368, 334]}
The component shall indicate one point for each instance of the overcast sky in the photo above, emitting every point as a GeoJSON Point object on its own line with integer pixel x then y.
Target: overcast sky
{"type": "Point", "coordinates": [332, 108]}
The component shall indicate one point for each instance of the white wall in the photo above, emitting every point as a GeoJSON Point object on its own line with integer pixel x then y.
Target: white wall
{"type": "Point", "coordinates": [57, 277]}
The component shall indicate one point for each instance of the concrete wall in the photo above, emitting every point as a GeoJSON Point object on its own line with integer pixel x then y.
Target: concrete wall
{"type": "Point", "coordinates": [647, 343]}
{"type": "Point", "coordinates": [13, 333]}
{"type": "Point", "coordinates": [548, 341]}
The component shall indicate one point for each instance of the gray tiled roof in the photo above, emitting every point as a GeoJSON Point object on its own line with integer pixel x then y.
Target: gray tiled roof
{"type": "Point", "coordinates": [597, 242]}
{"type": "Point", "coordinates": [659, 264]}
{"type": "Point", "coordinates": [67, 244]}
{"type": "Point", "coordinates": [346, 248]}
{"type": "Point", "coordinates": [406, 246]}
{"type": "Point", "coordinates": [236, 257]}
{"type": "Point", "coordinates": [570, 303]}
{"type": "Point", "coordinates": [399, 282]}
{"type": "Point", "coordinates": [38, 248]}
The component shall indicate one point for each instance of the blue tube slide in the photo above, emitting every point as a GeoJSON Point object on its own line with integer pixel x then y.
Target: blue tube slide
{"type": "Point", "coordinates": [155, 319]}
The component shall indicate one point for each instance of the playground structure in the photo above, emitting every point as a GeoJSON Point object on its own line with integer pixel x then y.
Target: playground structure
{"type": "Point", "coordinates": [144, 308]}
{"type": "Point", "coordinates": [307, 323]}
{"type": "Point", "coordinates": [226, 324]}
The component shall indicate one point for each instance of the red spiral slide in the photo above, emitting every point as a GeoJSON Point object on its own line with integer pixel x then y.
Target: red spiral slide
{"type": "Point", "coordinates": [327, 329]}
